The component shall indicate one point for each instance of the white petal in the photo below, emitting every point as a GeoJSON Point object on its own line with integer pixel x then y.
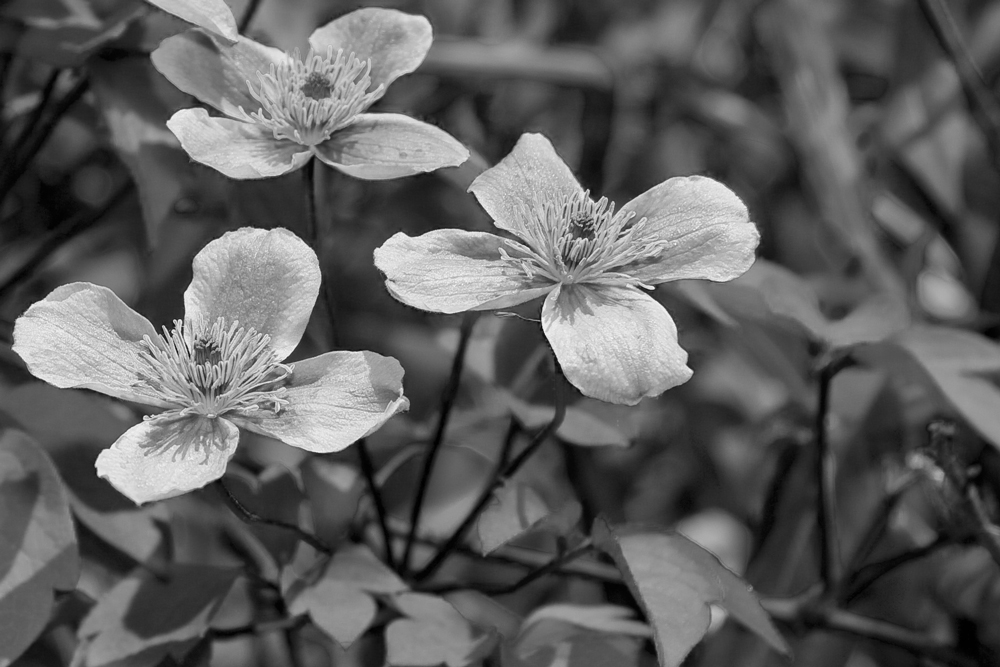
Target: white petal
{"type": "Point", "coordinates": [264, 279]}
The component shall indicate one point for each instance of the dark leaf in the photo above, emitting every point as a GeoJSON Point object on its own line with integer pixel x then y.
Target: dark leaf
{"type": "Point", "coordinates": [38, 552]}
{"type": "Point", "coordinates": [432, 633]}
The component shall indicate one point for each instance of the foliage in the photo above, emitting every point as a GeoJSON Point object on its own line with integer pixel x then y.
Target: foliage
{"type": "Point", "coordinates": [697, 304]}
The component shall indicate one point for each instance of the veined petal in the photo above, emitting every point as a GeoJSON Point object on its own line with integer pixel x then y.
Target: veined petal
{"type": "Point", "coordinates": [452, 271]}
{"type": "Point", "coordinates": [615, 344]}
{"type": "Point", "coordinates": [265, 279]}
{"type": "Point", "coordinates": [237, 149]}
{"type": "Point", "coordinates": [168, 456]}
{"type": "Point", "coordinates": [395, 42]}
{"type": "Point", "coordinates": [521, 183]}
{"type": "Point", "coordinates": [213, 15]}
{"type": "Point", "coordinates": [83, 336]}
{"type": "Point", "coordinates": [379, 146]}
{"type": "Point", "coordinates": [706, 226]}
{"type": "Point", "coordinates": [334, 400]}
{"type": "Point", "coordinates": [213, 71]}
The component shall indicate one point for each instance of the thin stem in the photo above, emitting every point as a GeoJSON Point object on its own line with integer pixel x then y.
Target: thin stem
{"type": "Point", "coordinates": [249, 516]}
{"type": "Point", "coordinates": [60, 235]}
{"type": "Point", "coordinates": [34, 118]}
{"type": "Point", "coordinates": [309, 173]}
{"type": "Point", "coordinates": [248, 15]}
{"type": "Point", "coordinates": [264, 627]}
{"type": "Point", "coordinates": [980, 98]}
{"type": "Point", "coordinates": [507, 471]}
{"type": "Point", "coordinates": [34, 144]}
{"type": "Point", "coordinates": [368, 469]}
{"type": "Point", "coordinates": [448, 396]}
{"type": "Point", "coordinates": [869, 574]}
{"type": "Point", "coordinates": [826, 474]}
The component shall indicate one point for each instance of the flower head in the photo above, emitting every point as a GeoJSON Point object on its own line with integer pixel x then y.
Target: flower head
{"type": "Point", "coordinates": [282, 109]}
{"type": "Point", "coordinates": [591, 261]}
{"type": "Point", "coordinates": [219, 369]}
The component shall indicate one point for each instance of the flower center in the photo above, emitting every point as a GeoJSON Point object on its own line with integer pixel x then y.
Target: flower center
{"type": "Point", "coordinates": [307, 100]}
{"type": "Point", "coordinates": [220, 369]}
{"type": "Point", "coordinates": [579, 240]}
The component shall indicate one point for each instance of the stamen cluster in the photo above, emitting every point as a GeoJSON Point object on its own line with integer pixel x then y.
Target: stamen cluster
{"type": "Point", "coordinates": [221, 369]}
{"type": "Point", "coordinates": [307, 100]}
{"type": "Point", "coordinates": [579, 240]}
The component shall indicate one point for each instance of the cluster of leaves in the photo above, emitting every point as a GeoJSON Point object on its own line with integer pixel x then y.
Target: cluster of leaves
{"type": "Point", "coordinates": [863, 138]}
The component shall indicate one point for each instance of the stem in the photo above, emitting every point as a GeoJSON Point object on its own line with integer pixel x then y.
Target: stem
{"type": "Point", "coordinates": [309, 172]}
{"type": "Point", "coordinates": [258, 628]}
{"type": "Point", "coordinates": [33, 119]}
{"type": "Point", "coordinates": [249, 516]}
{"type": "Point", "coordinates": [869, 574]}
{"type": "Point", "coordinates": [60, 235]}
{"type": "Point", "coordinates": [35, 143]}
{"type": "Point", "coordinates": [448, 396]}
{"type": "Point", "coordinates": [508, 470]}
{"type": "Point", "coordinates": [978, 95]}
{"type": "Point", "coordinates": [248, 15]}
{"type": "Point", "coordinates": [826, 473]}
{"type": "Point", "coordinates": [368, 469]}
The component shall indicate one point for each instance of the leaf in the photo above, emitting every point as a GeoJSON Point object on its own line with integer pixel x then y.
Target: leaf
{"type": "Point", "coordinates": [135, 102]}
{"type": "Point", "coordinates": [598, 617]}
{"type": "Point", "coordinates": [516, 509]}
{"type": "Point", "coordinates": [579, 427]}
{"type": "Point", "coordinates": [151, 617]}
{"type": "Point", "coordinates": [357, 565]}
{"type": "Point", "coordinates": [963, 365]}
{"type": "Point", "coordinates": [212, 15]}
{"type": "Point", "coordinates": [137, 533]}
{"type": "Point", "coordinates": [675, 581]}
{"type": "Point", "coordinates": [334, 490]}
{"type": "Point", "coordinates": [38, 552]}
{"type": "Point", "coordinates": [590, 635]}
{"type": "Point", "coordinates": [339, 609]}
{"type": "Point", "coordinates": [432, 633]}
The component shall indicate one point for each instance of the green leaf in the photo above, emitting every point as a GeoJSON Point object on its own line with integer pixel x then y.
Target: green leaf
{"type": "Point", "coordinates": [213, 15]}
{"type": "Point", "coordinates": [137, 533]}
{"type": "Point", "coordinates": [135, 102]}
{"type": "Point", "coordinates": [38, 552]}
{"type": "Point", "coordinates": [153, 618]}
{"type": "Point", "coordinates": [334, 490]}
{"type": "Point", "coordinates": [579, 427]}
{"type": "Point", "coordinates": [358, 566]}
{"type": "Point", "coordinates": [339, 609]}
{"type": "Point", "coordinates": [963, 365]}
{"type": "Point", "coordinates": [516, 509]}
{"type": "Point", "coordinates": [431, 634]}
{"type": "Point", "coordinates": [675, 582]}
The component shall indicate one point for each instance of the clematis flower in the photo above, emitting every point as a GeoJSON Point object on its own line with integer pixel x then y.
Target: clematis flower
{"type": "Point", "coordinates": [218, 370]}
{"type": "Point", "coordinates": [281, 110]}
{"type": "Point", "coordinates": [591, 263]}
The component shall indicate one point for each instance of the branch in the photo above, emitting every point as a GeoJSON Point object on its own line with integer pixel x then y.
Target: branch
{"type": "Point", "coordinates": [249, 516]}
{"type": "Point", "coordinates": [368, 469]}
{"type": "Point", "coordinates": [826, 474]}
{"type": "Point", "coordinates": [506, 471]}
{"type": "Point", "coordinates": [448, 396]}
{"type": "Point", "coordinates": [261, 628]}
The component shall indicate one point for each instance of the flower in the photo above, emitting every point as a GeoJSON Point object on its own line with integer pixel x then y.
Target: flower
{"type": "Point", "coordinates": [219, 369]}
{"type": "Point", "coordinates": [612, 340]}
{"type": "Point", "coordinates": [281, 110]}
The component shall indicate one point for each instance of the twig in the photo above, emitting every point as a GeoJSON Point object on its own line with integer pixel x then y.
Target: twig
{"type": "Point", "coordinates": [826, 474]}
{"type": "Point", "coordinates": [941, 446]}
{"type": "Point", "coordinates": [508, 471]}
{"type": "Point", "coordinates": [41, 135]}
{"type": "Point", "coordinates": [368, 469]}
{"type": "Point", "coordinates": [309, 175]}
{"type": "Point", "coordinates": [248, 515]}
{"type": "Point", "coordinates": [983, 104]}
{"type": "Point", "coordinates": [869, 574]}
{"type": "Point", "coordinates": [61, 234]}
{"type": "Point", "coordinates": [448, 396]}
{"type": "Point", "coordinates": [264, 627]}
{"type": "Point", "coordinates": [32, 122]}
{"type": "Point", "coordinates": [248, 15]}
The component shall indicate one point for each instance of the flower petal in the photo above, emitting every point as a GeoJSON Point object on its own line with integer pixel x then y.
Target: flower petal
{"type": "Point", "coordinates": [213, 71]}
{"type": "Point", "coordinates": [265, 279]}
{"type": "Point", "coordinates": [395, 42]}
{"type": "Point", "coordinates": [452, 270]}
{"type": "Point", "coordinates": [521, 183]}
{"type": "Point", "coordinates": [168, 456]}
{"type": "Point", "coordinates": [334, 400]}
{"type": "Point", "coordinates": [707, 227]}
{"type": "Point", "coordinates": [83, 336]}
{"type": "Point", "coordinates": [378, 146]}
{"type": "Point", "coordinates": [213, 15]}
{"type": "Point", "coordinates": [615, 344]}
{"type": "Point", "coordinates": [237, 149]}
